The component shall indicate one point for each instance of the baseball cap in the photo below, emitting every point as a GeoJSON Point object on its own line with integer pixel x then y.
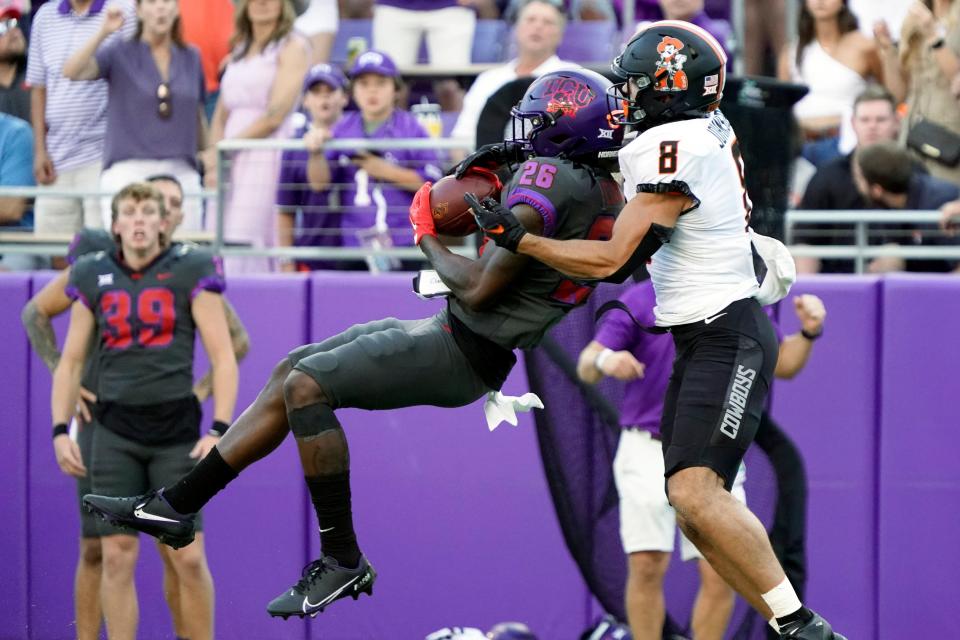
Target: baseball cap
{"type": "Point", "coordinates": [325, 73]}
{"type": "Point", "coordinates": [11, 9]}
{"type": "Point", "coordinates": [374, 62]}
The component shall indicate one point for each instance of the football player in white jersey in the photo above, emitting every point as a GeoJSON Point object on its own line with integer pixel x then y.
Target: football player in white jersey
{"type": "Point", "coordinates": [688, 213]}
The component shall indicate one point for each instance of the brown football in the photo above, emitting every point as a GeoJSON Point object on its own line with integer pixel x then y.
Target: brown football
{"type": "Point", "coordinates": [451, 214]}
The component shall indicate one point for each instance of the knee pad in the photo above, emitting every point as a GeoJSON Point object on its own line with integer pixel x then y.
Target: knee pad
{"type": "Point", "coordinates": [312, 420]}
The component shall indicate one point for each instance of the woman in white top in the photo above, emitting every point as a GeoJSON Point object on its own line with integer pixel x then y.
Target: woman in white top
{"type": "Point", "coordinates": [835, 61]}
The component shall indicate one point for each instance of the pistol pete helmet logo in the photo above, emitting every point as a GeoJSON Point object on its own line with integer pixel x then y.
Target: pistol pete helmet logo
{"type": "Point", "coordinates": [670, 75]}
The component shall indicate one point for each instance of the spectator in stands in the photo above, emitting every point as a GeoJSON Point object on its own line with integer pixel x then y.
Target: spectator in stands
{"type": "Point", "coordinates": [835, 61]}
{"type": "Point", "coordinates": [319, 23]}
{"type": "Point", "coordinates": [399, 25]}
{"type": "Point", "coordinates": [306, 218]}
{"type": "Point", "coordinates": [208, 26]}
{"type": "Point", "coordinates": [574, 9]}
{"type": "Point", "coordinates": [887, 179]}
{"type": "Point", "coordinates": [950, 217]}
{"type": "Point", "coordinates": [694, 11]}
{"type": "Point", "coordinates": [258, 93]}
{"type": "Point", "coordinates": [14, 97]}
{"type": "Point", "coordinates": [16, 170]}
{"type": "Point", "coordinates": [874, 120]}
{"type": "Point", "coordinates": [538, 32]}
{"type": "Point", "coordinates": [376, 187]}
{"type": "Point", "coordinates": [155, 117]}
{"type": "Point", "coordinates": [764, 36]}
{"type": "Point", "coordinates": [69, 117]}
{"type": "Point", "coordinates": [921, 69]}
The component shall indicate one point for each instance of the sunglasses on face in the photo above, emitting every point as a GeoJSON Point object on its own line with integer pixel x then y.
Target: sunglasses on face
{"type": "Point", "coordinates": [7, 26]}
{"type": "Point", "coordinates": [164, 105]}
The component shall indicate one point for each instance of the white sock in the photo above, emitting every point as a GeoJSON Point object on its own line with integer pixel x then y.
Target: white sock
{"type": "Point", "coordinates": [773, 623]}
{"type": "Point", "coordinates": [782, 599]}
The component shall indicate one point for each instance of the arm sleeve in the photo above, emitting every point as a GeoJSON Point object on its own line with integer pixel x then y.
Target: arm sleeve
{"type": "Point", "coordinates": [540, 184]}
{"type": "Point", "coordinates": [105, 56]}
{"type": "Point", "coordinates": [80, 283]}
{"type": "Point", "coordinates": [206, 272]}
{"type": "Point", "coordinates": [663, 162]}
{"type": "Point", "coordinates": [36, 77]}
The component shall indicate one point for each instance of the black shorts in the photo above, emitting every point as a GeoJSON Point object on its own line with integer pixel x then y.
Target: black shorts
{"type": "Point", "coordinates": [718, 388]}
{"type": "Point", "coordinates": [390, 363]}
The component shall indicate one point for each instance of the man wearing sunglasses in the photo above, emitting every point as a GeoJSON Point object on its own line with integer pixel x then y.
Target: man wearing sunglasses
{"type": "Point", "coordinates": [14, 98]}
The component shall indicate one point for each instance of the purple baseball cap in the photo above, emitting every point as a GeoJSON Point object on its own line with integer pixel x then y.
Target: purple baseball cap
{"type": "Point", "coordinates": [374, 62]}
{"type": "Point", "coordinates": [328, 74]}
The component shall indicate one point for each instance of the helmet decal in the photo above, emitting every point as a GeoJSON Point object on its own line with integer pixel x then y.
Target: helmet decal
{"type": "Point", "coordinates": [567, 95]}
{"type": "Point", "coordinates": [670, 75]}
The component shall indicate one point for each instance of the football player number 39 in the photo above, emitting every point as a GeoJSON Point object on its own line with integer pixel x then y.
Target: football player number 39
{"type": "Point", "coordinates": [155, 318]}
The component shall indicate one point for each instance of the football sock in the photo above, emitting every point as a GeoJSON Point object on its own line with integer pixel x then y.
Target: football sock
{"type": "Point", "coordinates": [330, 495]}
{"type": "Point", "coordinates": [203, 482]}
{"type": "Point", "coordinates": [785, 604]}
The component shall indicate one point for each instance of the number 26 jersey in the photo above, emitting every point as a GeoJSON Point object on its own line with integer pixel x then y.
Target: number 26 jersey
{"type": "Point", "coordinates": [708, 262]}
{"type": "Point", "coordinates": [144, 324]}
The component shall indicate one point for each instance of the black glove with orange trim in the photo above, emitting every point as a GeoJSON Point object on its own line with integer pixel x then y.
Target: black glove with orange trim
{"type": "Point", "coordinates": [497, 222]}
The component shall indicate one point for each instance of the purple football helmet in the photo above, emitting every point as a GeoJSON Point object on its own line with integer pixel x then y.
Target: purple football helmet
{"type": "Point", "coordinates": [564, 113]}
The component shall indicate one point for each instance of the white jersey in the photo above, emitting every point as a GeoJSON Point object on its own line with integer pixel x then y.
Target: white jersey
{"type": "Point", "coordinates": [708, 262]}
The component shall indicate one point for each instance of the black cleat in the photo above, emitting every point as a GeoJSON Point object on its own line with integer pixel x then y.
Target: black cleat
{"type": "Point", "coordinates": [323, 581]}
{"type": "Point", "coordinates": [149, 513]}
{"type": "Point", "coordinates": [815, 629]}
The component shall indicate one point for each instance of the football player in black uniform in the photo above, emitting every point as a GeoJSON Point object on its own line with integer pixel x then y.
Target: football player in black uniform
{"type": "Point", "coordinates": [50, 302]}
{"type": "Point", "coordinates": [688, 209]}
{"type": "Point", "coordinates": [499, 302]}
{"type": "Point", "coordinates": [142, 303]}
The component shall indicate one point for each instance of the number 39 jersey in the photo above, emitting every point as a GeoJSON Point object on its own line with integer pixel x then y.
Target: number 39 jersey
{"type": "Point", "coordinates": [708, 262]}
{"type": "Point", "coordinates": [575, 201]}
{"type": "Point", "coordinates": [145, 329]}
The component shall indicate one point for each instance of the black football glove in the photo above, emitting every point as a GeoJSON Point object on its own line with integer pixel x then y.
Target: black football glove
{"type": "Point", "coordinates": [497, 222]}
{"type": "Point", "coordinates": [491, 156]}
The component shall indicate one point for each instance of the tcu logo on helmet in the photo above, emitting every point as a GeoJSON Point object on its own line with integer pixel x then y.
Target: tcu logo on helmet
{"type": "Point", "coordinates": [670, 75]}
{"type": "Point", "coordinates": [567, 95]}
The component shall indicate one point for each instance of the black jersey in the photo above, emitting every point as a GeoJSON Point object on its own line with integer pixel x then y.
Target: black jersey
{"type": "Point", "coordinates": [576, 201]}
{"type": "Point", "coordinates": [145, 329]}
{"type": "Point", "coordinates": [90, 241]}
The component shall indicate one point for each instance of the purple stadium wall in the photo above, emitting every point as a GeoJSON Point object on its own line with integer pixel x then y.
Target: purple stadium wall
{"type": "Point", "coordinates": [458, 521]}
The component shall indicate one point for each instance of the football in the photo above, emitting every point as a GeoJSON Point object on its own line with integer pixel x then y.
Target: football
{"type": "Point", "coordinates": [451, 214]}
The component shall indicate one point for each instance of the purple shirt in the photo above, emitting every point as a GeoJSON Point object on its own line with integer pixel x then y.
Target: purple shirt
{"type": "Point", "coordinates": [317, 225]}
{"type": "Point", "coordinates": [135, 129]}
{"type": "Point", "coordinates": [643, 399]}
{"type": "Point", "coordinates": [367, 203]}
{"type": "Point", "coordinates": [419, 5]}
{"type": "Point", "coordinates": [650, 9]}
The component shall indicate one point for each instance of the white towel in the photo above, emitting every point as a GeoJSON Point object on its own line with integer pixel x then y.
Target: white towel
{"type": "Point", "coordinates": [500, 408]}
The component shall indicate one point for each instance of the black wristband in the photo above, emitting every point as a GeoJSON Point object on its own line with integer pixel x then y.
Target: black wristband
{"type": "Point", "coordinates": [811, 336]}
{"type": "Point", "coordinates": [219, 428]}
{"type": "Point", "coordinates": [61, 429]}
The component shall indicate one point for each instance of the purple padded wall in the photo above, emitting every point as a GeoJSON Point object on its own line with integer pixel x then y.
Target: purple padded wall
{"type": "Point", "coordinates": [919, 474]}
{"type": "Point", "coordinates": [14, 493]}
{"type": "Point", "coordinates": [830, 410]}
{"type": "Point", "coordinates": [457, 520]}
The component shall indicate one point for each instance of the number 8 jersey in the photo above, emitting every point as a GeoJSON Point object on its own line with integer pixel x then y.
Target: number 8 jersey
{"type": "Point", "coordinates": [708, 262]}
{"type": "Point", "coordinates": [145, 330]}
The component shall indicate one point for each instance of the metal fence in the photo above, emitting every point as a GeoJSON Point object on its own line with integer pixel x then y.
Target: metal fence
{"type": "Point", "coordinates": [856, 236]}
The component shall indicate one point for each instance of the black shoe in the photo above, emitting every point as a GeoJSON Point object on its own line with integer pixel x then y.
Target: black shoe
{"type": "Point", "coordinates": [149, 513]}
{"type": "Point", "coordinates": [815, 629]}
{"type": "Point", "coordinates": [323, 581]}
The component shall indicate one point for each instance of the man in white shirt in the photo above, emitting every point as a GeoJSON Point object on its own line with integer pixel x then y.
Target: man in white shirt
{"type": "Point", "coordinates": [688, 209]}
{"type": "Point", "coordinates": [538, 32]}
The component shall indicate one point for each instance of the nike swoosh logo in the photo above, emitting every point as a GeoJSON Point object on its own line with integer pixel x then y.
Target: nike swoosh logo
{"type": "Point", "coordinates": [164, 276]}
{"type": "Point", "coordinates": [497, 230]}
{"type": "Point", "coordinates": [709, 320]}
{"type": "Point", "coordinates": [143, 515]}
{"type": "Point", "coordinates": [308, 605]}
{"type": "Point", "coordinates": [325, 530]}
